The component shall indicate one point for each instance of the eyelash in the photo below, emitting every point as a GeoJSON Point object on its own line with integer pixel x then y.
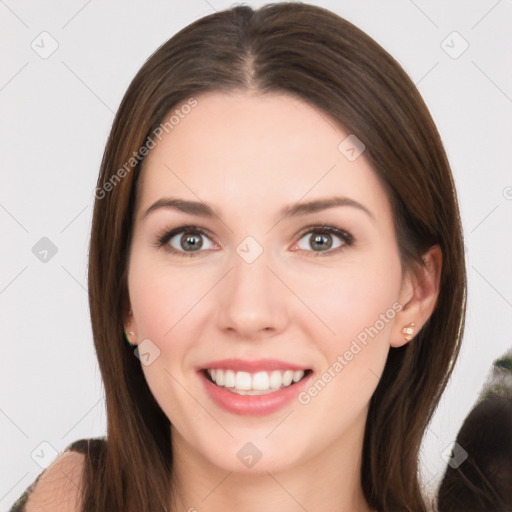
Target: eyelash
{"type": "Point", "coordinates": [165, 235]}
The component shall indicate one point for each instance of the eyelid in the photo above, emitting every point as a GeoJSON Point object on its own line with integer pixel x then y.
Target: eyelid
{"type": "Point", "coordinates": [327, 228]}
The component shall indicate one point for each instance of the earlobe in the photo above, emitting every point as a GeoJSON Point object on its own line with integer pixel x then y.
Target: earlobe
{"type": "Point", "coordinates": [128, 334]}
{"type": "Point", "coordinates": [419, 296]}
{"type": "Point", "coordinates": [407, 333]}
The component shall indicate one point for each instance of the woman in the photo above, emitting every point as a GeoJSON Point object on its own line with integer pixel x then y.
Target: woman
{"type": "Point", "coordinates": [256, 372]}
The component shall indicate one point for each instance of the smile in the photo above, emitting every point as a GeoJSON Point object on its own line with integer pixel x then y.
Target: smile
{"type": "Point", "coordinates": [259, 383]}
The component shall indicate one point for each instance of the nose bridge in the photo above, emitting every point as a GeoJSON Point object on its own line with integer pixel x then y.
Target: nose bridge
{"type": "Point", "coordinates": [252, 297]}
{"type": "Point", "coordinates": [251, 277]}
{"type": "Point", "coordinates": [251, 274]}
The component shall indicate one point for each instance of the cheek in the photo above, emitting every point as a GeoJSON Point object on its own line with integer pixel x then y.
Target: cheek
{"type": "Point", "coordinates": [163, 298]}
{"type": "Point", "coordinates": [345, 302]}
{"type": "Point", "coordinates": [355, 314]}
{"type": "Point", "coordinates": [361, 316]}
{"type": "Point", "coordinates": [166, 304]}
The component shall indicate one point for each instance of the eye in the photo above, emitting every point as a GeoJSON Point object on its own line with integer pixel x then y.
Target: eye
{"type": "Point", "coordinates": [188, 240]}
{"type": "Point", "coordinates": [185, 240]}
{"type": "Point", "coordinates": [321, 237]}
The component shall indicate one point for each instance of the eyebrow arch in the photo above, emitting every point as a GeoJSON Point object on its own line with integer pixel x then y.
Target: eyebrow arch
{"type": "Point", "coordinates": [298, 209]}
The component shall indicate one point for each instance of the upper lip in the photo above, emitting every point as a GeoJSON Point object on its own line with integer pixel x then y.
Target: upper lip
{"type": "Point", "coordinates": [246, 365]}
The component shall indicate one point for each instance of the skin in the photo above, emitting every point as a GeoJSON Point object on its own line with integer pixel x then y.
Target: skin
{"type": "Point", "coordinates": [249, 155]}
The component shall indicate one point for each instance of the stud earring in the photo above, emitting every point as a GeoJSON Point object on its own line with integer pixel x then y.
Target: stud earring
{"type": "Point", "coordinates": [127, 335]}
{"type": "Point", "coordinates": [407, 331]}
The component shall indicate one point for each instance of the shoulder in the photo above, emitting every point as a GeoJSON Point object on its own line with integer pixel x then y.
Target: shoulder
{"type": "Point", "coordinates": [58, 487]}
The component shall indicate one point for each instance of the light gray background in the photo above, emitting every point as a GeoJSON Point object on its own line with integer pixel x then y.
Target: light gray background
{"type": "Point", "coordinates": [56, 115]}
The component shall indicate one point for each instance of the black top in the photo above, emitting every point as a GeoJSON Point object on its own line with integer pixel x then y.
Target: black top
{"type": "Point", "coordinates": [85, 446]}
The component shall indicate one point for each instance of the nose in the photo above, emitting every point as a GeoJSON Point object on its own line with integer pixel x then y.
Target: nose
{"type": "Point", "coordinates": [253, 301]}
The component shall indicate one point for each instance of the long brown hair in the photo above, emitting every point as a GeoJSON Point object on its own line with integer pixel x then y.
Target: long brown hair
{"type": "Point", "coordinates": [326, 61]}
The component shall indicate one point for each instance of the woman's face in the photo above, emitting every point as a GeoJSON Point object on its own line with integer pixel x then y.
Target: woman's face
{"type": "Point", "coordinates": [261, 284]}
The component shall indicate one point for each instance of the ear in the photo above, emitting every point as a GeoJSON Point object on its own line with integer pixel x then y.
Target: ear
{"type": "Point", "coordinates": [418, 295]}
{"type": "Point", "coordinates": [129, 325]}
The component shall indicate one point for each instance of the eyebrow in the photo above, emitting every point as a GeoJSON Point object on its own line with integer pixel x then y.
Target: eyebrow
{"type": "Point", "coordinates": [295, 210]}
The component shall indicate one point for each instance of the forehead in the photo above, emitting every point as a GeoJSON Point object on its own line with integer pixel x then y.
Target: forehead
{"type": "Point", "coordinates": [256, 150]}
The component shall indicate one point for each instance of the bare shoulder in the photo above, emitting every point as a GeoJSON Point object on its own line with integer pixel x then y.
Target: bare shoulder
{"type": "Point", "coordinates": [58, 488]}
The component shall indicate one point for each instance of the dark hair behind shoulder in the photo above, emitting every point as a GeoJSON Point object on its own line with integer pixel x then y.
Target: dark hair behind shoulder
{"type": "Point", "coordinates": [483, 481]}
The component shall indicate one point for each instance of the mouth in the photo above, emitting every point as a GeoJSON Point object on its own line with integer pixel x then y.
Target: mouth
{"type": "Point", "coordinates": [259, 383]}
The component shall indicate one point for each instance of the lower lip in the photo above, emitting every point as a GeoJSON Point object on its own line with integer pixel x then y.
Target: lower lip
{"type": "Point", "coordinates": [253, 405]}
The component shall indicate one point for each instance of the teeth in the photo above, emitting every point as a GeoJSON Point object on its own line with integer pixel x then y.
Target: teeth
{"type": "Point", "coordinates": [245, 383]}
